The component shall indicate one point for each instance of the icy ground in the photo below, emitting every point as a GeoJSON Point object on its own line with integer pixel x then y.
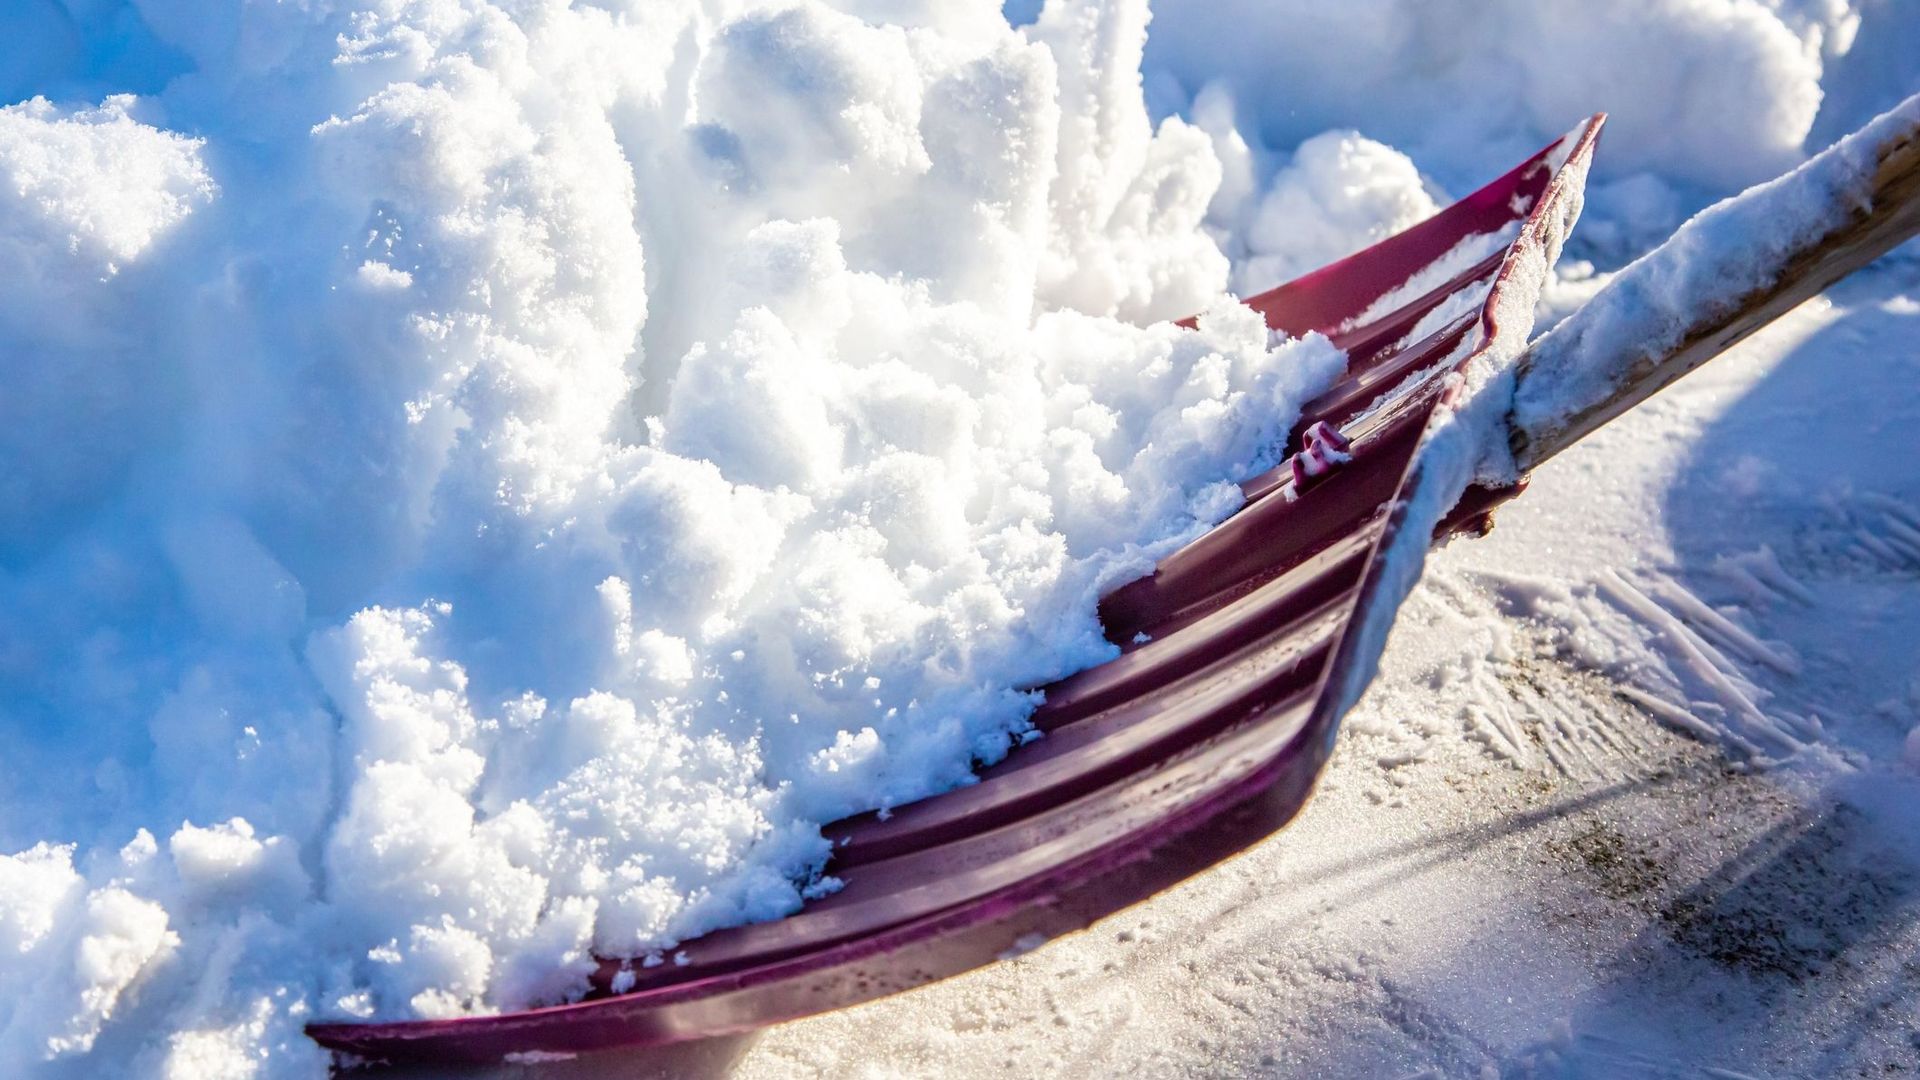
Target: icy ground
{"type": "Point", "coordinates": [1543, 848]}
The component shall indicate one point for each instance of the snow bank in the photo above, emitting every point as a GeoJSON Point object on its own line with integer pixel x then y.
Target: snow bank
{"type": "Point", "coordinates": [1718, 92]}
{"type": "Point", "coordinates": [484, 482]}
{"type": "Point", "coordinates": [1704, 96]}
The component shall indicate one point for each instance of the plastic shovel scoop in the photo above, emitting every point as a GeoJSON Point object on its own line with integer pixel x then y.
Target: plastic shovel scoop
{"type": "Point", "coordinates": [1241, 652]}
{"type": "Point", "coordinates": [1204, 736]}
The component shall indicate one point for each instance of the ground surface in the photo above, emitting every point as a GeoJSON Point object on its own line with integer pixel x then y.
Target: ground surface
{"type": "Point", "coordinates": [1627, 800]}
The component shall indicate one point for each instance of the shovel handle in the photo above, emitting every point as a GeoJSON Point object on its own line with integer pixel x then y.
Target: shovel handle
{"type": "Point", "coordinates": [1692, 298]}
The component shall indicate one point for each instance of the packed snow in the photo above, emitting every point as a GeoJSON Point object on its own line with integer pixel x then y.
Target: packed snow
{"type": "Point", "coordinates": [482, 482]}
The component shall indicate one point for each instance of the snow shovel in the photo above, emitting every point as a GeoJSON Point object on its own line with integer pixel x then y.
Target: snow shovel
{"type": "Point", "coordinates": [1242, 651]}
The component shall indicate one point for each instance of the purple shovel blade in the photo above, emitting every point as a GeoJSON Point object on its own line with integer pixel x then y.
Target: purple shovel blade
{"type": "Point", "coordinates": [1207, 734]}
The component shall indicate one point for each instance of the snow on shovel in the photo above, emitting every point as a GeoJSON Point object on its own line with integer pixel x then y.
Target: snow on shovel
{"type": "Point", "coordinates": [1243, 650]}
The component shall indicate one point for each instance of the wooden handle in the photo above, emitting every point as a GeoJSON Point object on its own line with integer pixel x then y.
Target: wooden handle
{"type": "Point", "coordinates": [1585, 372]}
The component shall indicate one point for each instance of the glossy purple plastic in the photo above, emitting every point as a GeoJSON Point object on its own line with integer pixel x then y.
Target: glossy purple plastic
{"type": "Point", "coordinates": [1206, 735]}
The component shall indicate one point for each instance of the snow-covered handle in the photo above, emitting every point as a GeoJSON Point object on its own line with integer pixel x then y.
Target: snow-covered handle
{"type": "Point", "coordinates": [1728, 272]}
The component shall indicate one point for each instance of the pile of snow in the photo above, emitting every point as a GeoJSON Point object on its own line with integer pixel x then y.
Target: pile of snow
{"type": "Point", "coordinates": [1704, 98]}
{"type": "Point", "coordinates": [484, 483]}
{"type": "Point", "coordinates": [480, 482]}
{"type": "Point", "coordinates": [1712, 91]}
